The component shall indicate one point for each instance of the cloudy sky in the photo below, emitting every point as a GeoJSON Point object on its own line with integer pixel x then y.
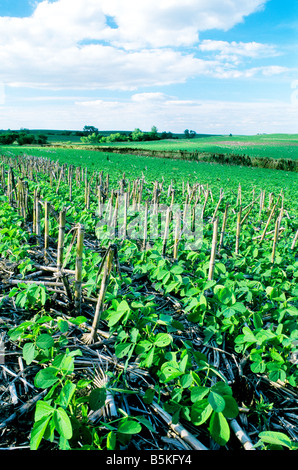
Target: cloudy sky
{"type": "Point", "coordinates": [213, 66]}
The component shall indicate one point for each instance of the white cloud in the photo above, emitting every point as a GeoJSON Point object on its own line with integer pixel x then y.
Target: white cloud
{"type": "Point", "coordinates": [128, 45]}
{"type": "Point", "coordinates": [168, 113]}
{"type": "Point", "coordinates": [71, 43]}
{"type": "Point", "coordinates": [159, 23]}
{"type": "Point", "coordinates": [235, 51]}
{"type": "Point", "coordinates": [172, 114]}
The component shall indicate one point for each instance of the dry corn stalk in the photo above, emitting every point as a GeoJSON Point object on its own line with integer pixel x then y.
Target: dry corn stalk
{"type": "Point", "coordinates": [276, 232]}
{"type": "Point", "coordinates": [145, 234]}
{"type": "Point", "coordinates": [124, 205]}
{"type": "Point", "coordinates": [223, 228]}
{"type": "Point", "coordinates": [217, 207]}
{"type": "Point", "coordinates": [267, 223]}
{"type": "Point", "coordinates": [61, 233]}
{"type": "Point", "coordinates": [294, 241]}
{"type": "Point", "coordinates": [166, 232]}
{"type": "Point", "coordinates": [78, 270]}
{"type": "Point", "coordinates": [107, 267]}
{"type": "Point", "coordinates": [178, 428]}
{"type": "Point", "coordinates": [46, 230]}
{"type": "Point", "coordinates": [240, 434]}
{"type": "Point", "coordinates": [239, 196]}
{"type": "Point", "coordinates": [213, 250]}
{"type": "Point", "coordinates": [177, 233]}
{"type": "Point", "coordinates": [238, 229]}
{"type": "Point", "coordinates": [205, 202]}
{"type": "Point", "coordinates": [250, 206]}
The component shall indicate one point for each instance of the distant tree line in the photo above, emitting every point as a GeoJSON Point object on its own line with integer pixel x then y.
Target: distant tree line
{"type": "Point", "coordinates": [92, 136]}
{"type": "Point", "coordinates": [189, 134]}
{"type": "Point", "coordinates": [22, 138]}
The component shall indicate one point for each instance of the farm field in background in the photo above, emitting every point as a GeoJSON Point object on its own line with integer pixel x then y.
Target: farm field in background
{"type": "Point", "coordinates": [278, 146]}
{"type": "Point", "coordinates": [225, 176]}
{"type": "Point", "coordinates": [167, 340]}
{"type": "Point", "coordinates": [269, 146]}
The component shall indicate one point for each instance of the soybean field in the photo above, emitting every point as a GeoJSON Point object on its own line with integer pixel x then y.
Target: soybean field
{"type": "Point", "coordinates": [146, 303]}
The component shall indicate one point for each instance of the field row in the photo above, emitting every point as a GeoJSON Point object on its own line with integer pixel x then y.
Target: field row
{"type": "Point", "coordinates": [207, 323]}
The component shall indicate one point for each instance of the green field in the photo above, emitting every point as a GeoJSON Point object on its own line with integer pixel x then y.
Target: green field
{"type": "Point", "coordinates": [270, 146]}
{"type": "Point", "coordinates": [123, 329]}
{"type": "Point", "coordinates": [217, 176]}
{"type": "Point", "coordinates": [267, 145]}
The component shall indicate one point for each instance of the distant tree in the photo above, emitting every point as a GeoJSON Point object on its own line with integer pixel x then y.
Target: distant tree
{"type": "Point", "coordinates": [90, 130]}
{"type": "Point", "coordinates": [42, 139]}
{"type": "Point", "coordinates": [153, 135]}
{"type": "Point", "coordinates": [166, 135]}
{"type": "Point", "coordinates": [7, 138]}
{"type": "Point", "coordinates": [91, 138]}
{"type": "Point", "coordinates": [192, 134]}
{"type": "Point", "coordinates": [25, 139]}
{"type": "Point", "coordinates": [186, 133]}
{"type": "Point", "coordinates": [116, 137]}
{"type": "Point", "coordinates": [137, 135]}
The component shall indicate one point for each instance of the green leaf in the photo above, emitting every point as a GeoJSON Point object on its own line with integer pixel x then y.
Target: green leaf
{"type": "Point", "coordinates": [186, 381]}
{"type": "Point", "coordinates": [143, 346]}
{"type": "Point", "coordinates": [129, 426]}
{"type": "Point", "coordinates": [66, 394]}
{"type": "Point", "coordinates": [65, 363]}
{"type": "Point", "coordinates": [149, 396]}
{"type": "Point", "coordinates": [111, 441]}
{"type": "Point", "coordinates": [194, 316]}
{"type": "Point", "coordinates": [148, 360]}
{"type": "Point", "coordinates": [123, 349]}
{"type": "Point", "coordinates": [42, 409]}
{"type": "Point", "coordinates": [62, 325]}
{"type": "Point", "coordinates": [44, 319]}
{"type": "Point", "coordinates": [44, 341]}
{"type": "Point", "coordinates": [231, 409]}
{"type": "Point", "coordinates": [198, 393]}
{"type": "Point", "coordinates": [38, 431]}
{"type": "Point", "coordinates": [221, 267]}
{"type": "Point", "coordinates": [177, 269]}
{"type": "Point", "coordinates": [46, 377]}
{"type": "Point", "coordinates": [200, 412]}
{"type": "Point", "coordinates": [219, 428]}
{"type": "Point", "coordinates": [222, 388]}
{"type": "Point", "coordinates": [257, 320]}
{"type": "Point", "coordinates": [146, 423]}
{"type": "Point", "coordinates": [43, 295]}
{"type": "Point", "coordinates": [162, 339]}
{"type": "Point", "coordinates": [29, 352]}
{"type": "Point", "coordinates": [248, 335]}
{"type": "Point", "coordinates": [169, 371]}
{"type": "Point", "coordinates": [62, 423]}
{"type": "Point", "coordinates": [97, 398]}
{"type": "Point", "coordinates": [122, 309]}
{"type": "Point", "coordinates": [216, 401]}
{"type": "Point", "coordinates": [275, 438]}
{"type": "Point", "coordinates": [78, 320]}
{"type": "Point", "coordinates": [226, 296]}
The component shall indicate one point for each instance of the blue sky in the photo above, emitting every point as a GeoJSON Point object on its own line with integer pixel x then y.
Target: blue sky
{"type": "Point", "coordinates": [213, 66]}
